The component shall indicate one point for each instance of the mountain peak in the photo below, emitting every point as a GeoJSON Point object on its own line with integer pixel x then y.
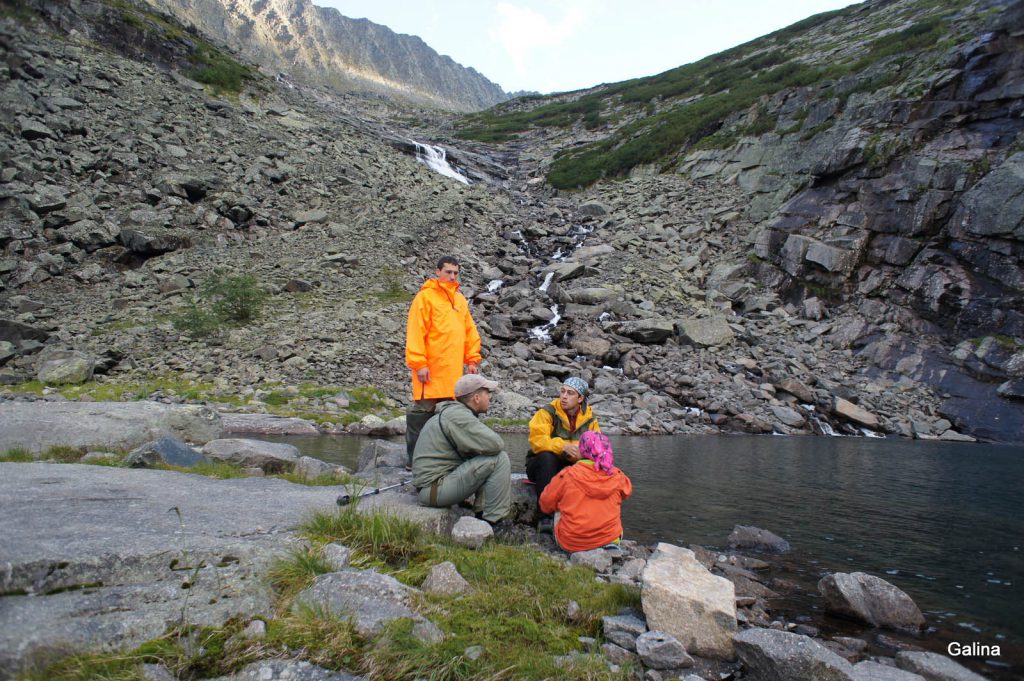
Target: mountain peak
{"type": "Point", "coordinates": [322, 46]}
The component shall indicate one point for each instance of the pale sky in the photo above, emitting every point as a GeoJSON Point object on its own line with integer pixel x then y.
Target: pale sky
{"type": "Point", "coordinates": [561, 45]}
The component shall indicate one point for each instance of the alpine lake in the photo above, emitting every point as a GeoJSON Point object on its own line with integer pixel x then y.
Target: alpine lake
{"type": "Point", "coordinates": [944, 522]}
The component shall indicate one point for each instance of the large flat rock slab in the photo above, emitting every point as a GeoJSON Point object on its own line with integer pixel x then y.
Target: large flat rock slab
{"type": "Point", "coordinates": [103, 558]}
{"type": "Point", "coordinates": [36, 426]}
{"type": "Point", "coordinates": [94, 558]}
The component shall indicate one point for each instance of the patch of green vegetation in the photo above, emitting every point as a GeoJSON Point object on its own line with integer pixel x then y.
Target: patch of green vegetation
{"type": "Point", "coordinates": [108, 391]}
{"type": "Point", "coordinates": [63, 454]}
{"type": "Point", "coordinates": [276, 399]}
{"type": "Point", "coordinates": [810, 133]}
{"type": "Point", "coordinates": [197, 321]}
{"type": "Point", "coordinates": [488, 126]}
{"type": "Point", "coordinates": [506, 423]}
{"type": "Point", "coordinates": [924, 33]}
{"type": "Point", "coordinates": [377, 538]}
{"type": "Point", "coordinates": [17, 455]}
{"type": "Point", "coordinates": [325, 480]}
{"type": "Point", "coordinates": [392, 290]}
{"type": "Point", "coordinates": [517, 609]}
{"type": "Point", "coordinates": [236, 299]}
{"type": "Point", "coordinates": [659, 137]}
{"type": "Point", "coordinates": [14, 9]}
{"type": "Point", "coordinates": [221, 470]}
{"type": "Point", "coordinates": [224, 300]}
{"type": "Point", "coordinates": [219, 71]}
{"type": "Point", "coordinates": [878, 152]}
{"type": "Point", "coordinates": [804, 25]}
{"type": "Point", "coordinates": [1006, 342]}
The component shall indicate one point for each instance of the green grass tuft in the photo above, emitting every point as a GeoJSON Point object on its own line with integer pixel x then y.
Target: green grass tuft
{"type": "Point", "coordinates": [17, 455]}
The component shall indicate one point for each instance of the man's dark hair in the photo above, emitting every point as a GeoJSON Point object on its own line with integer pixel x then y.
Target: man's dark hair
{"type": "Point", "coordinates": [447, 260]}
{"type": "Point", "coordinates": [466, 398]}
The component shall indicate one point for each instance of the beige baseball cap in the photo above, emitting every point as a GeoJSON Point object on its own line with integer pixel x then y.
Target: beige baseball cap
{"type": "Point", "coordinates": [471, 383]}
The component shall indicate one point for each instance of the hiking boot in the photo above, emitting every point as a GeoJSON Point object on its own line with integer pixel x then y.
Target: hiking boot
{"type": "Point", "coordinates": [546, 526]}
{"type": "Point", "coordinates": [504, 530]}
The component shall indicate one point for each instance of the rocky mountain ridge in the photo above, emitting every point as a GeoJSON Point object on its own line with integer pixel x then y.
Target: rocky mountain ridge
{"type": "Point", "coordinates": [126, 186]}
{"type": "Point", "coordinates": [321, 46]}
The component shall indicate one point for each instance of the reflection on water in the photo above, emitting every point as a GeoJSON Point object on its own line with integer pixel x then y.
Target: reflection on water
{"type": "Point", "coordinates": [942, 521]}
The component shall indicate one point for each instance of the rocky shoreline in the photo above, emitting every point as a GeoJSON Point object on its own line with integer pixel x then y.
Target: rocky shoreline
{"type": "Point", "coordinates": [83, 538]}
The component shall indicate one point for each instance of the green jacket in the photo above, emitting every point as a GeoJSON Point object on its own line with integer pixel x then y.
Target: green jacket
{"type": "Point", "coordinates": [451, 436]}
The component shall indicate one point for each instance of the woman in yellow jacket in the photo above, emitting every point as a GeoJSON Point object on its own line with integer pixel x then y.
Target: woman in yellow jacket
{"type": "Point", "coordinates": [555, 433]}
{"type": "Point", "coordinates": [441, 340]}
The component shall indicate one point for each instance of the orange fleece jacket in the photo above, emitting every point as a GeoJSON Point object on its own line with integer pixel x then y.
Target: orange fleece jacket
{"type": "Point", "coordinates": [590, 502]}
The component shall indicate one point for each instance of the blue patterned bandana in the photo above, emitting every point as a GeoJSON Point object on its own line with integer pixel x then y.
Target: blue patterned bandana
{"type": "Point", "coordinates": [577, 384]}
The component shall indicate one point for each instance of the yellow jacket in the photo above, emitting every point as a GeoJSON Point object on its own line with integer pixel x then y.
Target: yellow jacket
{"type": "Point", "coordinates": [441, 336]}
{"type": "Point", "coordinates": [550, 432]}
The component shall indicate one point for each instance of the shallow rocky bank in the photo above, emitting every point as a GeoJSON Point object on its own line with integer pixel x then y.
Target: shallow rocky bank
{"type": "Point", "coordinates": [106, 558]}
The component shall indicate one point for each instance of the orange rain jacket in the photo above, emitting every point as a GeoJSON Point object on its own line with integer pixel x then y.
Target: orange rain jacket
{"type": "Point", "coordinates": [590, 502]}
{"type": "Point", "coordinates": [441, 336]}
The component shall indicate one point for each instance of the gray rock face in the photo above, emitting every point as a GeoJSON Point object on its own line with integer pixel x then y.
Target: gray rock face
{"type": "Point", "coordinates": [870, 599]}
{"type": "Point", "coordinates": [705, 332]}
{"type": "Point", "coordinates": [272, 457]}
{"type": "Point", "coordinates": [266, 424]}
{"type": "Point", "coordinates": [286, 670]}
{"type": "Point", "coordinates": [369, 598]}
{"type": "Point", "coordinates": [855, 413]}
{"type": "Point", "coordinates": [681, 598]}
{"type": "Point", "coordinates": [747, 537]}
{"type": "Point", "coordinates": [773, 655]}
{"type": "Point", "coordinates": [873, 671]}
{"type": "Point", "coordinates": [71, 369]}
{"type": "Point", "coordinates": [382, 454]}
{"type": "Point", "coordinates": [106, 562]}
{"type": "Point", "coordinates": [658, 650]}
{"type": "Point", "coordinates": [597, 560]}
{"type": "Point", "coordinates": [339, 51]}
{"type": "Point", "coordinates": [471, 532]}
{"type": "Point", "coordinates": [167, 450]}
{"type": "Point", "coordinates": [36, 426]}
{"type": "Point", "coordinates": [934, 667]}
{"type": "Point", "coordinates": [444, 579]}
{"type": "Point", "coordinates": [623, 630]}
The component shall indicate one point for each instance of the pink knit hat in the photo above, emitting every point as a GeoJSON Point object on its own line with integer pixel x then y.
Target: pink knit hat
{"type": "Point", "coordinates": [597, 448]}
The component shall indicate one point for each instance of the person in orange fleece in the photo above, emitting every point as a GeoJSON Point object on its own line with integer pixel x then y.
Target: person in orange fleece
{"type": "Point", "coordinates": [587, 497]}
{"type": "Point", "coordinates": [441, 340]}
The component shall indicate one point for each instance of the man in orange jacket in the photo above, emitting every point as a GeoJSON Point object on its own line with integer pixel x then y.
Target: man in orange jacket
{"type": "Point", "coordinates": [440, 341]}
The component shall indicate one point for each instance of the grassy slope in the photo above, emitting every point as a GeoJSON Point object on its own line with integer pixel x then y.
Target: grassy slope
{"type": "Point", "coordinates": [654, 120]}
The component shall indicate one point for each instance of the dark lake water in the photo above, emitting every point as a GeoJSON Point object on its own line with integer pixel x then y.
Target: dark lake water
{"type": "Point", "coordinates": [942, 521]}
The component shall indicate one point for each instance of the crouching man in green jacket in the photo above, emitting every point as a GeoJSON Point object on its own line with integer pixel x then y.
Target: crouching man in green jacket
{"type": "Point", "coordinates": [457, 456]}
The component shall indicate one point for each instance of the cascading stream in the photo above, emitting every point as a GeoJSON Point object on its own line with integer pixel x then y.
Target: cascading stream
{"type": "Point", "coordinates": [436, 158]}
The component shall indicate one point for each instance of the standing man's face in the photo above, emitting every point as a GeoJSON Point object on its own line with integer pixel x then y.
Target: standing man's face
{"type": "Point", "coordinates": [448, 272]}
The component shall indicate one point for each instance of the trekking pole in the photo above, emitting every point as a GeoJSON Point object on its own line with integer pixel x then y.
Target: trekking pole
{"type": "Point", "coordinates": [346, 499]}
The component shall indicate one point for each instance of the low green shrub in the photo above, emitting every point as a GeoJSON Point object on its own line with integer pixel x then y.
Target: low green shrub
{"type": "Point", "coordinates": [236, 299]}
{"type": "Point", "coordinates": [219, 71]}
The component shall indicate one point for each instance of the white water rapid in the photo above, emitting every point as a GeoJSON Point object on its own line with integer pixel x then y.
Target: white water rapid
{"type": "Point", "coordinates": [436, 158]}
{"type": "Point", "coordinates": [543, 332]}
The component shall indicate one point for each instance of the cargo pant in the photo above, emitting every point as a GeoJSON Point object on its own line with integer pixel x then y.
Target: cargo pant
{"type": "Point", "coordinates": [489, 477]}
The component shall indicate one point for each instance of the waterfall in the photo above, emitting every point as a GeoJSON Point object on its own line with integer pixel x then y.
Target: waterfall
{"type": "Point", "coordinates": [825, 426]}
{"type": "Point", "coordinates": [547, 281]}
{"type": "Point", "coordinates": [543, 332]}
{"type": "Point", "coordinates": [436, 158]}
